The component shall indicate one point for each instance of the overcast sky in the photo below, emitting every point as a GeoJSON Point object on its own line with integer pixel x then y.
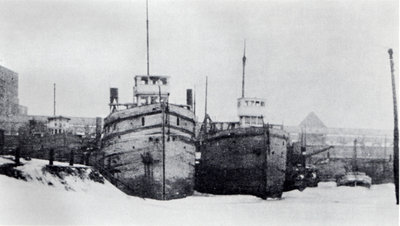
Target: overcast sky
{"type": "Point", "coordinates": [329, 57]}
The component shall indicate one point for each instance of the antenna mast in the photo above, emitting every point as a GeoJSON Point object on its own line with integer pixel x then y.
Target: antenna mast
{"type": "Point", "coordinates": [244, 65]}
{"type": "Point", "coordinates": [54, 99]}
{"type": "Point", "coordinates": [147, 37]}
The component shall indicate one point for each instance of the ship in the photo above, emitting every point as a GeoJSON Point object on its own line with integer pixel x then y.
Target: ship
{"type": "Point", "coordinates": [354, 177]}
{"type": "Point", "coordinates": [148, 145]}
{"type": "Point", "coordinates": [243, 157]}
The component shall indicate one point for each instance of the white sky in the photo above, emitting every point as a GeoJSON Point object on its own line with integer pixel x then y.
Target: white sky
{"type": "Point", "coordinates": [329, 57]}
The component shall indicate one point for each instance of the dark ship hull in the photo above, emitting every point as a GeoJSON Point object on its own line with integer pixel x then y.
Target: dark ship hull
{"type": "Point", "coordinates": [243, 161]}
{"type": "Point", "coordinates": [132, 151]}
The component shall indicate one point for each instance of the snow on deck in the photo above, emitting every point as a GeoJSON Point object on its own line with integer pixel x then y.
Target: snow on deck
{"type": "Point", "coordinates": [95, 203]}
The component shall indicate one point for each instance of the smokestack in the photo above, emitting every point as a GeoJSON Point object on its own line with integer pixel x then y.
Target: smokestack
{"type": "Point", "coordinates": [113, 95]}
{"type": "Point", "coordinates": [113, 99]}
{"type": "Point", "coordinates": [189, 98]}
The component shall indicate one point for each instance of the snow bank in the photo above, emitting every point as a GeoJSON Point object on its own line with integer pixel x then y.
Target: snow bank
{"type": "Point", "coordinates": [95, 203]}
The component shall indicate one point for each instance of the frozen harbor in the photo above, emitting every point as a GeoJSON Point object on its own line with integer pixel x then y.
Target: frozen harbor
{"type": "Point", "coordinates": [89, 202]}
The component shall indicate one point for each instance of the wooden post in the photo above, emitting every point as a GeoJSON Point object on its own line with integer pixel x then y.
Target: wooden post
{"type": "Point", "coordinates": [395, 131]}
{"type": "Point", "coordinates": [17, 156]}
{"type": "Point", "coordinates": [71, 157]}
{"type": "Point", "coordinates": [51, 157]}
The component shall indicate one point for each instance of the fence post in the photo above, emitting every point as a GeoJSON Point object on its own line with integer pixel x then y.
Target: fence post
{"type": "Point", "coordinates": [51, 157]}
{"type": "Point", "coordinates": [71, 157]}
{"type": "Point", "coordinates": [17, 156]}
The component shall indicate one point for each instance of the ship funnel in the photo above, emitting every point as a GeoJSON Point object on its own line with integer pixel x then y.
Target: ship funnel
{"type": "Point", "coordinates": [189, 98]}
{"type": "Point", "coordinates": [113, 95]}
{"type": "Point", "coordinates": [113, 99]}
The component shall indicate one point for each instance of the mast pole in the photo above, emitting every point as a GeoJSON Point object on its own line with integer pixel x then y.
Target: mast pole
{"type": "Point", "coordinates": [163, 141]}
{"type": "Point", "coordinates": [205, 107]}
{"type": "Point", "coordinates": [395, 130]}
{"type": "Point", "coordinates": [355, 168]}
{"type": "Point", "coordinates": [54, 99]}
{"type": "Point", "coordinates": [244, 66]}
{"type": "Point", "coordinates": [147, 37]}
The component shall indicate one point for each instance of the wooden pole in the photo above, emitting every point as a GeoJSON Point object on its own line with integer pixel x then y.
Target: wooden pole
{"type": "Point", "coordinates": [71, 158]}
{"type": "Point", "coordinates": [17, 156]}
{"type": "Point", "coordinates": [395, 130]}
{"type": "Point", "coordinates": [51, 157]}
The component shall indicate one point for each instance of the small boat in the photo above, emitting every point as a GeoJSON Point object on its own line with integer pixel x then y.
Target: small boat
{"type": "Point", "coordinates": [355, 179]}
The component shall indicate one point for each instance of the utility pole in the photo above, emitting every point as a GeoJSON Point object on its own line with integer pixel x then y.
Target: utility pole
{"type": "Point", "coordinates": [395, 130]}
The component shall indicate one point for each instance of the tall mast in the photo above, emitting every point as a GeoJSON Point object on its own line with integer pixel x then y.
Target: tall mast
{"type": "Point", "coordinates": [244, 65]}
{"type": "Point", "coordinates": [395, 130]}
{"type": "Point", "coordinates": [354, 166]}
{"type": "Point", "coordinates": [147, 37]}
{"type": "Point", "coordinates": [205, 106]}
{"type": "Point", "coordinates": [54, 99]}
{"type": "Point", "coordinates": [162, 106]}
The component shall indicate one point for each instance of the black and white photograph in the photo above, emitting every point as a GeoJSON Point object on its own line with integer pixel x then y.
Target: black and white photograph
{"type": "Point", "coordinates": [199, 112]}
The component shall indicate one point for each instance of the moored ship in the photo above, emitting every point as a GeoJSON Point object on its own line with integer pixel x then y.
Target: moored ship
{"type": "Point", "coordinates": [148, 146]}
{"type": "Point", "coordinates": [245, 157]}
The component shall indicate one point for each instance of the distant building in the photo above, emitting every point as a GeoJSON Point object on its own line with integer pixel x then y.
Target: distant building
{"type": "Point", "coordinates": [11, 113]}
{"type": "Point", "coordinates": [14, 116]}
{"type": "Point", "coordinates": [371, 143]}
{"type": "Point", "coordinates": [58, 124]}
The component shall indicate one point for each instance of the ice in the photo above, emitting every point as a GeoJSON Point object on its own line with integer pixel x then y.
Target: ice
{"type": "Point", "coordinates": [34, 202]}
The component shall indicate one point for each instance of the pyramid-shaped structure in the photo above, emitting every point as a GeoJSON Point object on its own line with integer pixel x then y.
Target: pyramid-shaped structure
{"type": "Point", "coordinates": [312, 121]}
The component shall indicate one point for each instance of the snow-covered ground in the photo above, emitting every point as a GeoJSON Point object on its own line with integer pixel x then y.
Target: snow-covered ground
{"type": "Point", "coordinates": [89, 202]}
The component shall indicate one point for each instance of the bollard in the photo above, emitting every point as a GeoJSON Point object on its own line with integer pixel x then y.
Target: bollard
{"type": "Point", "coordinates": [71, 158]}
{"type": "Point", "coordinates": [17, 156]}
{"type": "Point", "coordinates": [87, 158]}
{"type": "Point", "coordinates": [51, 157]}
